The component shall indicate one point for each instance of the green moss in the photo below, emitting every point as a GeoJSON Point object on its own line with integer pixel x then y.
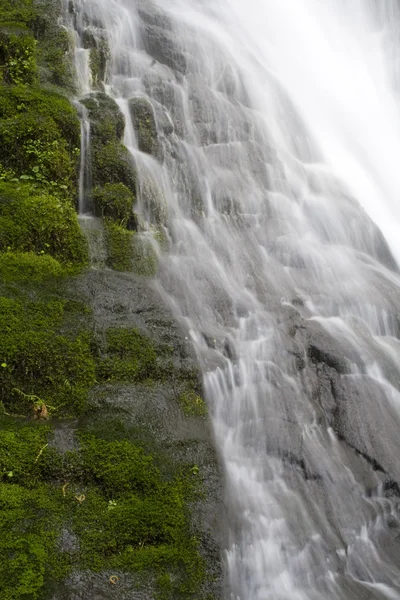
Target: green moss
{"type": "Point", "coordinates": [126, 355]}
{"type": "Point", "coordinates": [192, 404]}
{"type": "Point", "coordinates": [27, 266]}
{"type": "Point", "coordinates": [43, 354]}
{"type": "Point", "coordinates": [30, 511]}
{"type": "Point", "coordinates": [55, 57]}
{"type": "Point", "coordinates": [128, 251]}
{"type": "Point", "coordinates": [134, 520]}
{"type": "Point", "coordinates": [145, 126]}
{"type": "Point", "coordinates": [116, 201]}
{"type": "Point", "coordinates": [119, 246]}
{"type": "Point", "coordinates": [99, 56]}
{"type": "Point", "coordinates": [144, 257]}
{"type": "Point", "coordinates": [20, 446]}
{"type": "Point", "coordinates": [22, 12]}
{"type": "Point", "coordinates": [18, 50]}
{"type": "Point", "coordinates": [40, 224]}
{"type": "Point", "coordinates": [28, 524]}
{"type": "Point", "coordinates": [39, 129]}
{"type": "Point", "coordinates": [112, 163]}
{"type": "Point", "coordinates": [107, 121]}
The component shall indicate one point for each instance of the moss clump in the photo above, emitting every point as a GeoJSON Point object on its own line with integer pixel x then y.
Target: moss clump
{"type": "Point", "coordinates": [107, 121]}
{"type": "Point", "coordinates": [18, 50]}
{"type": "Point", "coordinates": [45, 357]}
{"type": "Point", "coordinates": [30, 512]}
{"type": "Point", "coordinates": [20, 446]}
{"type": "Point", "coordinates": [27, 266]}
{"type": "Point", "coordinates": [116, 201]}
{"type": "Point", "coordinates": [55, 56]}
{"type": "Point", "coordinates": [126, 355]}
{"type": "Point", "coordinates": [99, 56]}
{"type": "Point", "coordinates": [144, 257]}
{"type": "Point", "coordinates": [145, 126]}
{"type": "Point", "coordinates": [42, 224]}
{"type": "Point", "coordinates": [134, 520]}
{"type": "Point", "coordinates": [112, 163]}
{"type": "Point", "coordinates": [119, 246]}
{"type": "Point", "coordinates": [192, 404]}
{"type": "Point", "coordinates": [39, 130]}
{"type": "Point", "coordinates": [128, 251]}
{"type": "Point", "coordinates": [28, 525]}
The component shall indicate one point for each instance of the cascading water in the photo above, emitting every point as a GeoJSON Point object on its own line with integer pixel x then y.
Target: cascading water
{"type": "Point", "coordinates": [277, 118]}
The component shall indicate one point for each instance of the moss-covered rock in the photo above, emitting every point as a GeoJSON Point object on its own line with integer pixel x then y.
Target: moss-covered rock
{"type": "Point", "coordinates": [39, 129]}
{"type": "Point", "coordinates": [119, 246]}
{"type": "Point", "coordinates": [116, 201]}
{"type": "Point", "coordinates": [42, 224]}
{"type": "Point", "coordinates": [55, 57]}
{"type": "Point", "coordinates": [144, 123]}
{"type": "Point", "coordinates": [28, 266]}
{"type": "Point", "coordinates": [129, 251]}
{"type": "Point", "coordinates": [99, 56]}
{"type": "Point", "coordinates": [126, 355]}
{"type": "Point", "coordinates": [45, 357]}
{"type": "Point", "coordinates": [112, 163]}
{"type": "Point", "coordinates": [17, 56]}
{"type": "Point", "coordinates": [192, 404]}
{"type": "Point", "coordinates": [107, 121]}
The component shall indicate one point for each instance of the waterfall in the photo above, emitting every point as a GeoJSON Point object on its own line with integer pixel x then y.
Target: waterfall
{"type": "Point", "coordinates": [279, 124]}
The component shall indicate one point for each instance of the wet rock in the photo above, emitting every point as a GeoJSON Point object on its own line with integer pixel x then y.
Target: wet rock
{"type": "Point", "coordinates": [163, 45]}
{"type": "Point", "coordinates": [364, 410]}
{"type": "Point", "coordinates": [107, 121]}
{"type": "Point", "coordinates": [143, 121]}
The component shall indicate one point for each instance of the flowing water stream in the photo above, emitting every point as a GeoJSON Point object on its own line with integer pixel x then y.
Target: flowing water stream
{"type": "Point", "coordinates": [279, 122]}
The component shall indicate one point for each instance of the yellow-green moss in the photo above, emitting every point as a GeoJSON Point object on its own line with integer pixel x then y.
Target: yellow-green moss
{"type": "Point", "coordinates": [128, 251]}
{"type": "Point", "coordinates": [134, 520]}
{"type": "Point", "coordinates": [126, 355]}
{"type": "Point", "coordinates": [143, 120]}
{"type": "Point", "coordinates": [99, 56]}
{"type": "Point", "coordinates": [42, 224]}
{"type": "Point", "coordinates": [119, 246]}
{"type": "Point", "coordinates": [30, 512]}
{"type": "Point", "coordinates": [27, 266]}
{"type": "Point", "coordinates": [39, 136]}
{"type": "Point", "coordinates": [116, 201]}
{"type": "Point", "coordinates": [18, 50]}
{"type": "Point", "coordinates": [41, 356]}
{"type": "Point", "coordinates": [107, 121]}
{"type": "Point", "coordinates": [192, 404]}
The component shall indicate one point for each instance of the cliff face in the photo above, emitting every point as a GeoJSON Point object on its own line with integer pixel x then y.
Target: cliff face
{"type": "Point", "coordinates": [109, 481]}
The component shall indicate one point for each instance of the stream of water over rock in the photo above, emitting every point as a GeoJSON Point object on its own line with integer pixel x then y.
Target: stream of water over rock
{"type": "Point", "coordinates": [279, 124]}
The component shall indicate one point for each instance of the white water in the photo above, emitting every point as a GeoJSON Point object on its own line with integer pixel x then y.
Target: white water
{"type": "Point", "coordinates": [286, 123]}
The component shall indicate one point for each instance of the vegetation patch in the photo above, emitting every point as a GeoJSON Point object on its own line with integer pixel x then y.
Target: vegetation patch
{"type": "Point", "coordinates": [46, 361]}
{"type": "Point", "coordinates": [116, 201]}
{"type": "Point", "coordinates": [39, 136]}
{"type": "Point", "coordinates": [126, 516]}
{"type": "Point", "coordinates": [132, 519]}
{"type": "Point", "coordinates": [143, 120]}
{"type": "Point", "coordinates": [43, 224]}
{"type": "Point", "coordinates": [28, 266]}
{"type": "Point", "coordinates": [126, 355]}
{"type": "Point", "coordinates": [192, 404]}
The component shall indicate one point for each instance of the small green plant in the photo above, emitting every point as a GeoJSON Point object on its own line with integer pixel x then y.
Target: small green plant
{"type": "Point", "coordinates": [192, 404]}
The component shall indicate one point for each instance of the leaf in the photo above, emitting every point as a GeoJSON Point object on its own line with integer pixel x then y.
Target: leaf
{"type": "Point", "coordinates": [36, 169]}
{"type": "Point", "coordinates": [10, 474]}
{"type": "Point", "coordinates": [4, 365]}
{"type": "Point", "coordinates": [25, 177]}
